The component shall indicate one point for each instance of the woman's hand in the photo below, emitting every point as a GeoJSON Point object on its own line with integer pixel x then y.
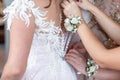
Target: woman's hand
{"type": "Point", "coordinates": [71, 9]}
{"type": "Point", "coordinates": [76, 45]}
{"type": "Point", "coordinates": [79, 46]}
{"type": "Point", "coordinates": [84, 4]}
{"type": "Point", "coordinates": [77, 60]}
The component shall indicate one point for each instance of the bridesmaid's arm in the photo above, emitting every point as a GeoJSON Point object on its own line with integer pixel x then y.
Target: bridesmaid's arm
{"type": "Point", "coordinates": [20, 43]}
{"type": "Point", "coordinates": [104, 57]}
{"type": "Point", "coordinates": [108, 25]}
{"type": "Point", "coordinates": [76, 58]}
{"type": "Point", "coordinates": [107, 74]}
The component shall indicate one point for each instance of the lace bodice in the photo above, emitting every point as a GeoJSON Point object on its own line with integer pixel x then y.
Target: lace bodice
{"type": "Point", "coordinates": [49, 43]}
{"type": "Point", "coordinates": [24, 9]}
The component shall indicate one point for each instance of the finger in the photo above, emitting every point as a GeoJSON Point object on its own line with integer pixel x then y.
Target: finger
{"type": "Point", "coordinates": [63, 5]}
{"type": "Point", "coordinates": [83, 53]}
{"type": "Point", "coordinates": [73, 55]}
{"type": "Point", "coordinates": [70, 55]}
{"type": "Point", "coordinates": [74, 62]}
{"type": "Point", "coordinates": [74, 51]}
{"type": "Point", "coordinates": [71, 58]}
{"type": "Point", "coordinates": [76, 58]}
{"type": "Point", "coordinates": [71, 62]}
{"type": "Point", "coordinates": [77, 54]}
{"type": "Point", "coordinates": [83, 50]}
{"type": "Point", "coordinates": [66, 2]}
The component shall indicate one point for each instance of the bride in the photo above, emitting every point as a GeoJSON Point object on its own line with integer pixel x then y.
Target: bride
{"type": "Point", "coordinates": [37, 42]}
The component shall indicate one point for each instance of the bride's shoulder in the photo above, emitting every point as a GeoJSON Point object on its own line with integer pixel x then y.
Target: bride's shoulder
{"type": "Point", "coordinates": [23, 10]}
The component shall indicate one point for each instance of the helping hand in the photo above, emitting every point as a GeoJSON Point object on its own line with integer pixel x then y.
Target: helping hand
{"type": "Point", "coordinates": [77, 60]}
{"type": "Point", "coordinates": [71, 9]}
{"type": "Point", "coordinates": [84, 4]}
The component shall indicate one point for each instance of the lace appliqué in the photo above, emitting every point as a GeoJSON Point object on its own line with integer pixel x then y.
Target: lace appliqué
{"type": "Point", "coordinates": [52, 34]}
{"type": "Point", "coordinates": [20, 9]}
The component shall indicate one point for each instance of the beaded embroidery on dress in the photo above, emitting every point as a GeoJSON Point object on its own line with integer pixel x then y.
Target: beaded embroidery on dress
{"type": "Point", "coordinates": [45, 61]}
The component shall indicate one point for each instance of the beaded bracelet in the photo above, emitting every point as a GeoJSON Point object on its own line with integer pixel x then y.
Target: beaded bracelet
{"type": "Point", "coordinates": [71, 23]}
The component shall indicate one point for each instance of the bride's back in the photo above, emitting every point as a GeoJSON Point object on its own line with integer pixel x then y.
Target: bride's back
{"type": "Point", "coordinates": [53, 9]}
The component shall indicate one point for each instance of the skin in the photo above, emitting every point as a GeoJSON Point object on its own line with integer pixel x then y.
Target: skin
{"type": "Point", "coordinates": [21, 39]}
{"type": "Point", "coordinates": [95, 48]}
{"type": "Point", "coordinates": [17, 59]}
{"type": "Point", "coordinates": [107, 24]}
{"type": "Point", "coordinates": [76, 56]}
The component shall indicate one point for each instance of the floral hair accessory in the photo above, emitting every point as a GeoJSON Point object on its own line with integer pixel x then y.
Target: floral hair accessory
{"type": "Point", "coordinates": [71, 23]}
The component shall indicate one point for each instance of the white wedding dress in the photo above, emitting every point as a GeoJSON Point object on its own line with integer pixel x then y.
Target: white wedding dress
{"type": "Point", "coordinates": [46, 58]}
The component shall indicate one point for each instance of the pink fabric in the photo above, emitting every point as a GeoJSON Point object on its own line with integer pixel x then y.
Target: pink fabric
{"type": "Point", "coordinates": [110, 8]}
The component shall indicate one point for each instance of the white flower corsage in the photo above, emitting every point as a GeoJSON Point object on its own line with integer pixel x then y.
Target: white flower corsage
{"type": "Point", "coordinates": [71, 24]}
{"type": "Point", "coordinates": [92, 67]}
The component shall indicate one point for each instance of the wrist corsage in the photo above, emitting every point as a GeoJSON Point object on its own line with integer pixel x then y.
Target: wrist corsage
{"type": "Point", "coordinates": [92, 67]}
{"type": "Point", "coordinates": [71, 23]}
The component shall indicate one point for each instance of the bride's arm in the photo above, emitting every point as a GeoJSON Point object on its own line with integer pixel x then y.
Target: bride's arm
{"type": "Point", "coordinates": [110, 27]}
{"type": "Point", "coordinates": [20, 43]}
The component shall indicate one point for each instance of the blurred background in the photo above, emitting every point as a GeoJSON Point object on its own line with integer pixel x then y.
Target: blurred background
{"type": "Point", "coordinates": [4, 35]}
{"type": "Point", "coordinates": [2, 38]}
